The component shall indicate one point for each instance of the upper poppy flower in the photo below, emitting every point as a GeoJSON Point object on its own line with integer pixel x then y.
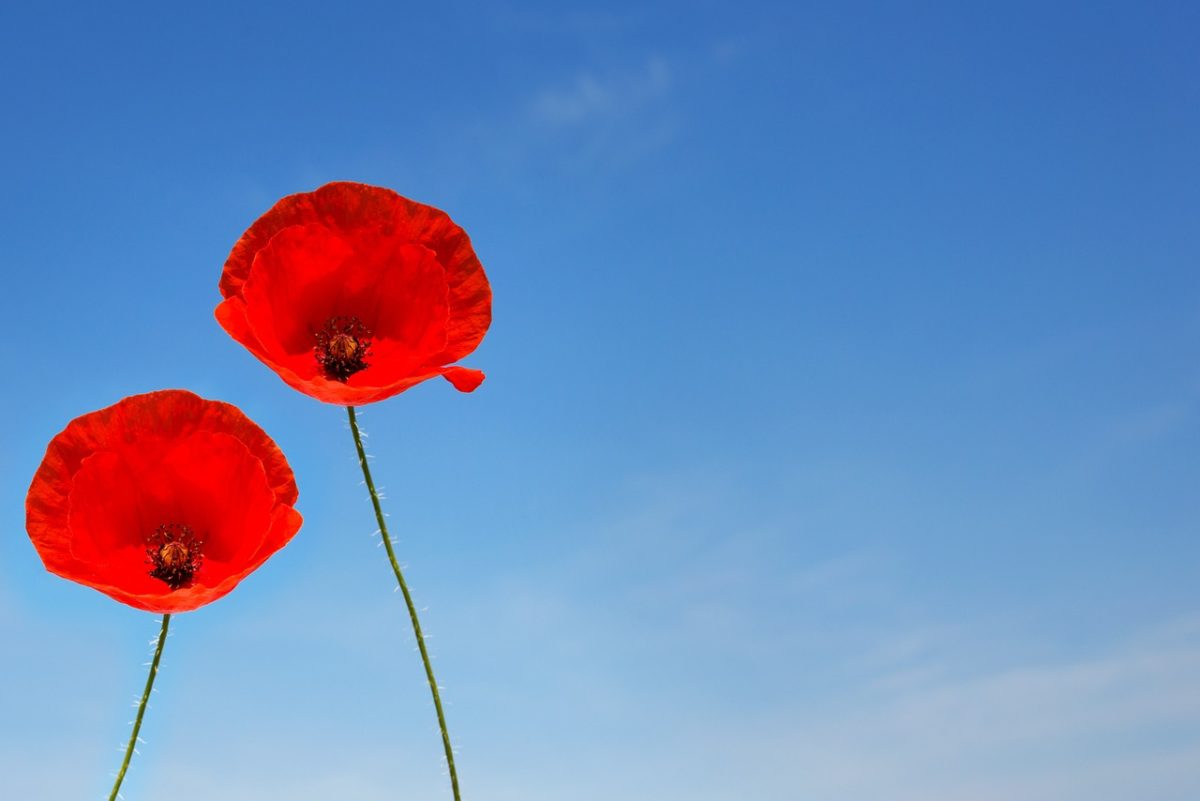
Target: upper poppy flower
{"type": "Point", "coordinates": [163, 501]}
{"type": "Point", "coordinates": [352, 294]}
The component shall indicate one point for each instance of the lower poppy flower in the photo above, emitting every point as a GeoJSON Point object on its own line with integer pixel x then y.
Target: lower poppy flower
{"type": "Point", "coordinates": [352, 294]}
{"type": "Point", "coordinates": [163, 501]}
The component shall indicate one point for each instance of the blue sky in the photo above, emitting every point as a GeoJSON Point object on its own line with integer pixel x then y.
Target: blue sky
{"type": "Point", "coordinates": [841, 425]}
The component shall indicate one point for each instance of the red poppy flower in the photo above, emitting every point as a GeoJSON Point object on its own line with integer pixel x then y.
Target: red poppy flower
{"type": "Point", "coordinates": [352, 294]}
{"type": "Point", "coordinates": [162, 501]}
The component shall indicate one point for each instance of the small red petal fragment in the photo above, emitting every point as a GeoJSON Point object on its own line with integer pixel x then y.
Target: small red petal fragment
{"type": "Point", "coordinates": [463, 379]}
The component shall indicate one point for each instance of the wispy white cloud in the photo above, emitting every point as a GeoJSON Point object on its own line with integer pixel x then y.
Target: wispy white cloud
{"type": "Point", "coordinates": [592, 122]}
{"type": "Point", "coordinates": [1109, 727]}
{"type": "Point", "coordinates": [605, 119]}
{"type": "Point", "coordinates": [590, 96]}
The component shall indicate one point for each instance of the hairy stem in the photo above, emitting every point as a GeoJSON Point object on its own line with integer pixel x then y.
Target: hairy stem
{"type": "Point", "coordinates": [141, 712]}
{"type": "Point", "coordinates": [408, 600]}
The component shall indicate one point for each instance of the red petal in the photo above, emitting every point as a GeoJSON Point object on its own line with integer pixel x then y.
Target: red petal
{"type": "Point", "coordinates": [463, 379]}
{"type": "Point", "coordinates": [294, 284]}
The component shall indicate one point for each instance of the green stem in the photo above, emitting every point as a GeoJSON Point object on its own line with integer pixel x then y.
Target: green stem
{"type": "Point", "coordinates": [412, 608]}
{"type": "Point", "coordinates": [137, 722]}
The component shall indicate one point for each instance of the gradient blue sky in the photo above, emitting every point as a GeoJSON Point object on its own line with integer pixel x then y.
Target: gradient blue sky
{"type": "Point", "coordinates": [840, 436]}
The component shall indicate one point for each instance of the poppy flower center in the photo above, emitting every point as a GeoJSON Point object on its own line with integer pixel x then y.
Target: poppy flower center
{"type": "Point", "coordinates": [343, 343]}
{"type": "Point", "coordinates": [174, 552]}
